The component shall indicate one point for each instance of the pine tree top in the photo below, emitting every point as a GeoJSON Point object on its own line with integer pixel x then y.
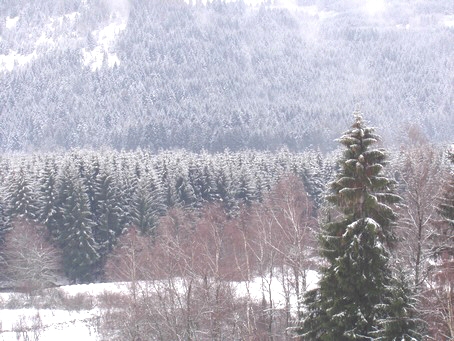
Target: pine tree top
{"type": "Point", "coordinates": [360, 190]}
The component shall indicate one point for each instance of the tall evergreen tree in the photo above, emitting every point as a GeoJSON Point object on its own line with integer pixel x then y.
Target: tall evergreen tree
{"type": "Point", "coordinates": [5, 227]}
{"type": "Point", "coordinates": [5, 224]}
{"type": "Point", "coordinates": [21, 197]}
{"type": "Point", "coordinates": [186, 195]}
{"type": "Point", "coordinates": [74, 230]}
{"type": "Point", "coordinates": [47, 193]}
{"type": "Point", "coordinates": [147, 203]}
{"type": "Point", "coordinates": [108, 214]}
{"type": "Point", "coordinates": [355, 287]}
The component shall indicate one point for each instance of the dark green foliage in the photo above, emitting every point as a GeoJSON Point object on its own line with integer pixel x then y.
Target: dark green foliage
{"type": "Point", "coordinates": [5, 223]}
{"type": "Point", "coordinates": [245, 193]}
{"type": "Point", "coordinates": [108, 214]}
{"type": "Point", "coordinates": [5, 227]}
{"type": "Point", "coordinates": [356, 281]}
{"type": "Point", "coordinates": [21, 199]}
{"type": "Point", "coordinates": [147, 204]}
{"type": "Point", "coordinates": [47, 194]}
{"type": "Point", "coordinates": [74, 228]}
{"type": "Point", "coordinates": [86, 198]}
{"type": "Point", "coordinates": [184, 191]}
{"type": "Point", "coordinates": [201, 179]}
{"type": "Point", "coordinates": [399, 322]}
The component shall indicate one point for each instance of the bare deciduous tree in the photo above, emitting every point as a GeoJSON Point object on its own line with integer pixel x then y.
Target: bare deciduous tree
{"type": "Point", "coordinates": [186, 276]}
{"type": "Point", "coordinates": [32, 262]}
{"type": "Point", "coordinates": [438, 300]}
{"type": "Point", "coordinates": [284, 249]}
{"type": "Point", "coordinates": [420, 174]}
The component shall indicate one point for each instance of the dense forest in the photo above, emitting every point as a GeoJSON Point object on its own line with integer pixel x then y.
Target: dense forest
{"type": "Point", "coordinates": [192, 148]}
{"type": "Point", "coordinates": [194, 224]}
{"type": "Point", "coordinates": [104, 193]}
{"type": "Point", "coordinates": [167, 74]}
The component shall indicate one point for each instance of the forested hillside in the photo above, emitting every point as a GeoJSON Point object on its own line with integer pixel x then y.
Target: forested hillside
{"type": "Point", "coordinates": [195, 226]}
{"type": "Point", "coordinates": [188, 148]}
{"type": "Point", "coordinates": [92, 198]}
{"type": "Point", "coordinates": [167, 74]}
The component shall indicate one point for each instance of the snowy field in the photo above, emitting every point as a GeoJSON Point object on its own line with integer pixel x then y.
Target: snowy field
{"type": "Point", "coordinates": [24, 318]}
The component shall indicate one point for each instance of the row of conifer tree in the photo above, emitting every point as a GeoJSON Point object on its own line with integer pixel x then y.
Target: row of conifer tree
{"type": "Point", "coordinates": [87, 199]}
{"type": "Point", "coordinates": [370, 281]}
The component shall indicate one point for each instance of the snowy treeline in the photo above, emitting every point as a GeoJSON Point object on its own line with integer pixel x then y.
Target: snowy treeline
{"type": "Point", "coordinates": [165, 74]}
{"type": "Point", "coordinates": [191, 225]}
{"type": "Point", "coordinates": [87, 199]}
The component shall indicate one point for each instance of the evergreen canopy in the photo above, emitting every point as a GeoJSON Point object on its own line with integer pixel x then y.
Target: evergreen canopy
{"type": "Point", "coordinates": [356, 287]}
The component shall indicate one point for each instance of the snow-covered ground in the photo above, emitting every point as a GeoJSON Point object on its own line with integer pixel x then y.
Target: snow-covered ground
{"type": "Point", "coordinates": [104, 40]}
{"type": "Point", "coordinates": [81, 322]}
{"type": "Point", "coordinates": [11, 22]}
{"type": "Point", "coordinates": [46, 324]}
{"type": "Point", "coordinates": [10, 60]}
{"type": "Point", "coordinates": [448, 20]}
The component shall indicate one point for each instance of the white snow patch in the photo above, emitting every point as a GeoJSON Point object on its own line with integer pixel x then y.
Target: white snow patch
{"type": "Point", "coordinates": [13, 59]}
{"type": "Point", "coordinates": [247, 2]}
{"type": "Point", "coordinates": [448, 21]}
{"type": "Point", "coordinates": [405, 27]}
{"type": "Point", "coordinates": [105, 39]}
{"type": "Point", "coordinates": [259, 288]}
{"type": "Point", "coordinates": [291, 5]}
{"type": "Point", "coordinates": [51, 325]}
{"type": "Point", "coordinates": [314, 11]}
{"type": "Point", "coordinates": [374, 7]}
{"type": "Point", "coordinates": [95, 289]}
{"type": "Point", "coordinates": [11, 22]}
{"type": "Point", "coordinates": [71, 325]}
{"type": "Point", "coordinates": [312, 279]}
{"type": "Point", "coordinates": [9, 61]}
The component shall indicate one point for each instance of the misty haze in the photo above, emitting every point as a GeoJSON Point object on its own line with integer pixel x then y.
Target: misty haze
{"type": "Point", "coordinates": [211, 170]}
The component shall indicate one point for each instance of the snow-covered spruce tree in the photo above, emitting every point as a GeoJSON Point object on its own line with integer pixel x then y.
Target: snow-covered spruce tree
{"type": "Point", "coordinates": [47, 193]}
{"type": "Point", "coordinates": [108, 213]}
{"type": "Point", "coordinates": [5, 223]}
{"type": "Point", "coordinates": [352, 301]}
{"type": "Point", "coordinates": [74, 228]}
{"type": "Point", "coordinates": [5, 227]}
{"type": "Point", "coordinates": [21, 198]}
{"type": "Point", "coordinates": [147, 204]}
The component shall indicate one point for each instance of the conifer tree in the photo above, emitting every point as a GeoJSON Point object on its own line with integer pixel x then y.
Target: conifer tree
{"type": "Point", "coordinates": [5, 227]}
{"type": "Point", "coordinates": [47, 194]}
{"type": "Point", "coordinates": [21, 198]}
{"type": "Point", "coordinates": [147, 204]}
{"type": "Point", "coordinates": [74, 229]}
{"type": "Point", "coordinates": [246, 191]}
{"type": "Point", "coordinates": [224, 185]}
{"type": "Point", "coordinates": [5, 224]}
{"type": "Point", "coordinates": [185, 192]}
{"type": "Point", "coordinates": [200, 178]}
{"type": "Point", "coordinates": [108, 214]}
{"type": "Point", "coordinates": [355, 287]}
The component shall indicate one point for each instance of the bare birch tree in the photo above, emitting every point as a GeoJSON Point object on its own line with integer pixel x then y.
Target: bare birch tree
{"type": "Point", "coordinates": [32, 262]}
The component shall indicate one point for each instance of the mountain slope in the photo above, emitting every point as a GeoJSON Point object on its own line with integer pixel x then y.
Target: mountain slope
{"type": "Point", "coordinates": [166, 74]}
